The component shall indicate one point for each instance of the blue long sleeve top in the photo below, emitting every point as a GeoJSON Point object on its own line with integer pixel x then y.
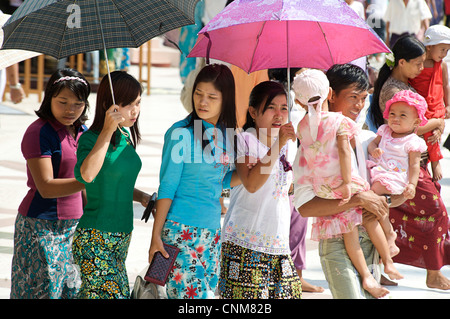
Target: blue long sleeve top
{"type": "Point", "coordinates": [193, 177]}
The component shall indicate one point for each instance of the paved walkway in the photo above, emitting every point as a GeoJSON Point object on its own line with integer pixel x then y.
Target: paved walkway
{"type": "Point", "coordinates": [159, 111]}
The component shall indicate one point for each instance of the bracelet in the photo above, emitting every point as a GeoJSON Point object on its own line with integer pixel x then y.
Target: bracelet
{"type": "Point", "coordinates": [15, 86]}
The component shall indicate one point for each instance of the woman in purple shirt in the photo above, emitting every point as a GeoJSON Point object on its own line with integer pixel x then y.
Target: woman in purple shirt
{"type": "Point", "coordinates": [42, 265]}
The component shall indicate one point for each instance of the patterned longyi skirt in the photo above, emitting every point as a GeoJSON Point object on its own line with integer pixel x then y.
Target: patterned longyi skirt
{"type": "Point", "coordinates": [42, 265]}
{"type": "Point", "coordinates": [101, 258]}
{"type": "Point", "coordinates": [249, 274]}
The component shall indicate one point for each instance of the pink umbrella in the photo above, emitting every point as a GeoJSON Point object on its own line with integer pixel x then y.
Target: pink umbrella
{"type": "Point", "coordinates": [265, 34]}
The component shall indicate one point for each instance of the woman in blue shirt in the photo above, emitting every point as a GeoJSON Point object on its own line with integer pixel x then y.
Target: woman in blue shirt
{"type": "Point", "coordinates": [195, 169]}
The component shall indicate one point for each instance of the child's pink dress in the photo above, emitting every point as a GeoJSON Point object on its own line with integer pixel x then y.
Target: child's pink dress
{"type": "Point", "coordinates": [319, 166]}
{"type": "Point", "coordinates": [391, 169]}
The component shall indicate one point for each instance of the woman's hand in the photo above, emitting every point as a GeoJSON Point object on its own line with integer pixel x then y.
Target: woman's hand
{"type": "Point", "coordinates": [162, 208]}
{"type": "Point", "coordinates": [156, 245]}
{"type": "Point", "coordinates": [286, 133]}
{"type": "Point", "coordinates": [94, 161]}
{"type": "Point", "coordinates": [112, 119]}
{"type": "Point", "coordinates": [141, 197]}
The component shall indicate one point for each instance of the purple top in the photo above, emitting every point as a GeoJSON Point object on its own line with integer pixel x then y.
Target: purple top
{"type": "Point", "coordinates": [51, 139]}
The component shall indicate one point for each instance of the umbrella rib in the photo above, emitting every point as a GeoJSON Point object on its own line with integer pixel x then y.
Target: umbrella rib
{"type": "Point", "coordinates": [128, 27]}
{"type": "Point", "coordinates": [256, 46]}
{"type": "Point", "coordinates": [12, 31]}
{"type": "Point", "coordinates": [328, 46]}
{"type": "Point", "coordinates": [62, 38]}
{"type": "Point", "coordinates": [125, 22]}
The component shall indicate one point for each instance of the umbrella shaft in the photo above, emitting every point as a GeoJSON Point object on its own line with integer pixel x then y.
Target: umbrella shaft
{"type": "Point", "coordinates": [107, 62]}
{"type": "Point", "coordinates": [104, 48]}
{"type": "Point", "coordinates": [109, 77]}
{"type": "Point", "coordinates": [288, 74]}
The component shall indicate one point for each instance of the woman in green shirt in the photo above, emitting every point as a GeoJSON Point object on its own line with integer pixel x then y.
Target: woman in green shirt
{"type": "Point", "coordinates": [108, 165]}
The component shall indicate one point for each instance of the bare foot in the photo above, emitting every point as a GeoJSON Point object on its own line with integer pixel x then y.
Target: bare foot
{"type": "Point", "coordinates": [393, 249]}
{"type": "Point", "coordinates": [437, 170]}
{"type": "Point", "coordinates": [435, 279]}
{"type": "Point", "coordinates": [372, 286]}
{"type": "Point", "coordinates": [307, 287]}
{"type": "Point", "coordinates": [391, 271]}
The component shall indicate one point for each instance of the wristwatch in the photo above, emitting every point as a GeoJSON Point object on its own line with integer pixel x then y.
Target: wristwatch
{"type": "Point", "coordinates": [15, 86]}
{"type": "Point", "coordinates": [388, 199]}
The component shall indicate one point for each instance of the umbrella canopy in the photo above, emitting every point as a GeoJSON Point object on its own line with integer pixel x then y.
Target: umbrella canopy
{"type": "Point", "coordinates": [10, 57]}
{"type": "Point", "coordinates": [266, 34]}
{"type": "Point", "coordinates": [61, 28]}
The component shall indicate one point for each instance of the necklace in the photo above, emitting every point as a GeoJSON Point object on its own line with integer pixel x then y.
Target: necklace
{"type": "Point", "coordinates": [123, 132]}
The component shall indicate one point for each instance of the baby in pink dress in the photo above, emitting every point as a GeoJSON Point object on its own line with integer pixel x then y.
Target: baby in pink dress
{"type": "Point", "coordinates": [395, 153]}
{"type": "Point", "coordinates": [324, 160]}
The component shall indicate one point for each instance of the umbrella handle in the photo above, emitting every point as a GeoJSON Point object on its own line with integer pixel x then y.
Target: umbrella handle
{"type": "Point", "coordinates": [208, 49]}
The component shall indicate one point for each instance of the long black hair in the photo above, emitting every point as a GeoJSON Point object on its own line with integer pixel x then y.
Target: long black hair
{"type": "Point", "coordinates": [407, 48]}
{"type": "Point", "coordinates": [220, 76]}
{"type": "Point", "coordinates": [126, 90]}
{"type": "Point", "coordinates": [261, 97]}
{"type": "Point", "coordinates": [80, 88]}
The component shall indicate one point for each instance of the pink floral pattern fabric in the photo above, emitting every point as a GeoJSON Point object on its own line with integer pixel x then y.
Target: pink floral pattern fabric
{"type": "Point", "coordinates": [248, 11]}
{"type": "Point", "coordinates": [318, 165]}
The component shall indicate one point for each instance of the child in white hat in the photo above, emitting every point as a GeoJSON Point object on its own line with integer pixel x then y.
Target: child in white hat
{"type": "Point", "coordinates": [433, 85]}
{"type": "Point", "coordinates": [324, 161]}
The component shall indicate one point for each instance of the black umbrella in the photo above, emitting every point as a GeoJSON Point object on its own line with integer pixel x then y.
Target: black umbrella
{"type": "Point", "coordinates": [61, 28]}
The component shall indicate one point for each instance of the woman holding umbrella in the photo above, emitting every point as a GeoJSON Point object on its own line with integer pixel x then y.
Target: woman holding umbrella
{"type": "Point", "coordinates": [108, 165]}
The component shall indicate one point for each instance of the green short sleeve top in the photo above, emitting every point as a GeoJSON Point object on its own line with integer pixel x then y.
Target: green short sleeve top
{"type": "Point", "coordinates": [110, 195]}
